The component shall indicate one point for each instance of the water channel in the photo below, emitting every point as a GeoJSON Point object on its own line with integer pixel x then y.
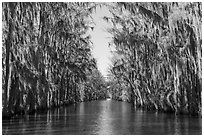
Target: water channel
{"type": "Point", "coordinates": [102, 117]}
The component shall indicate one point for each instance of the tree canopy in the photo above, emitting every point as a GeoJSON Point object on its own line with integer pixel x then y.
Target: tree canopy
{"type": "Point", "coordinates": [47, 55]}
{"type": "Point", "coordinates": [158, 54]}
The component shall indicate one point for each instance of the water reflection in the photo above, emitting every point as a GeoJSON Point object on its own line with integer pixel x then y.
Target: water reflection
{"type": "Point", "coordinates": [104, 121]}
{"type": "Point", "coordinates": [102, 117]}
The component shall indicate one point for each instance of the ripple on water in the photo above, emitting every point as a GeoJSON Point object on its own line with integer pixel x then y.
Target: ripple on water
{"type": "Point", "coordinates": [102, 117]}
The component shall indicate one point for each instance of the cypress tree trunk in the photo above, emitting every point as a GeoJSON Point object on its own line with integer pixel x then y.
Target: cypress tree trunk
{"type": "Point", "coordinates": [9, 40]}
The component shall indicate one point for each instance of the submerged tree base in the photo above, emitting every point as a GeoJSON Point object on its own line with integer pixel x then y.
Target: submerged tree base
{"type": "Point", "coordinates": [166, 109]}
{"type": "Point", "coordinates": [9, 114]}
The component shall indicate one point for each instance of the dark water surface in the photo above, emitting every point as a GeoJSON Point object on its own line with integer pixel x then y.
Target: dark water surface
{"type": "Point", "coordinates": [102, 117]}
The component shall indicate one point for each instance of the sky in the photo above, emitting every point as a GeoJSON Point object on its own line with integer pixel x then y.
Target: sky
{"type": "Point", "coordinates": [101, 38]}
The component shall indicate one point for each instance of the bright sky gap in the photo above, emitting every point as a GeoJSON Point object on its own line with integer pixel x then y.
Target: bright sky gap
{"type": "Point", "coordinates": [101, 38]}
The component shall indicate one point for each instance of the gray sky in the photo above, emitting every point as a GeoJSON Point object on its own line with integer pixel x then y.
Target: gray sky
{"type": "Point", "coordinates": [100, 39]}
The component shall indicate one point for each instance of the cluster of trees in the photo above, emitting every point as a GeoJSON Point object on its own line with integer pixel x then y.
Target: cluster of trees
{"type": "Point", "coordinates": [46, 56]}
{"type": "Point", "coordinates": [47, 60]}
{"type": "Point", "coordinates": [157, 58]}
{"type": "Point", "coordinates": [96, 86]}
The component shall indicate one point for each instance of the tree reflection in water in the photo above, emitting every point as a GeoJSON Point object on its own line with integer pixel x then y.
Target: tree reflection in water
{"type": "Point", "coordinates": [102, 117]}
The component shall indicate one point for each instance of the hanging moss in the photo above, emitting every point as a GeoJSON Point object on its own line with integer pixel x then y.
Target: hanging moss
{"type": "Point", "coordinates": [167, 75]}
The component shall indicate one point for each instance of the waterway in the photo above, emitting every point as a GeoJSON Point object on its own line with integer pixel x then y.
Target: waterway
{"type": "Point", "coordinates": [101, 118]}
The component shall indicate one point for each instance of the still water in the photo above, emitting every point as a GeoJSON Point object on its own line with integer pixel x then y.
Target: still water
{"type": "Point", "coordinates": [102, 117]}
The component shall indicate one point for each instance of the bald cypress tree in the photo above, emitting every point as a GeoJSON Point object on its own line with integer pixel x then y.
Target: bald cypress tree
{"type": "Point", "coordinates": [46, 54]}
{"type": "Point", "coordinates": [159, 50]}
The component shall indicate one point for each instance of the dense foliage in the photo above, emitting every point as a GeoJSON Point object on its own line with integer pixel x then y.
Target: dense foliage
{"type": "Point", "coordinates": [47, 59]}
{"type": "Point", "coordinates": [157, 62]}
{"type": "Point", "coordinates": [46, 56]}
